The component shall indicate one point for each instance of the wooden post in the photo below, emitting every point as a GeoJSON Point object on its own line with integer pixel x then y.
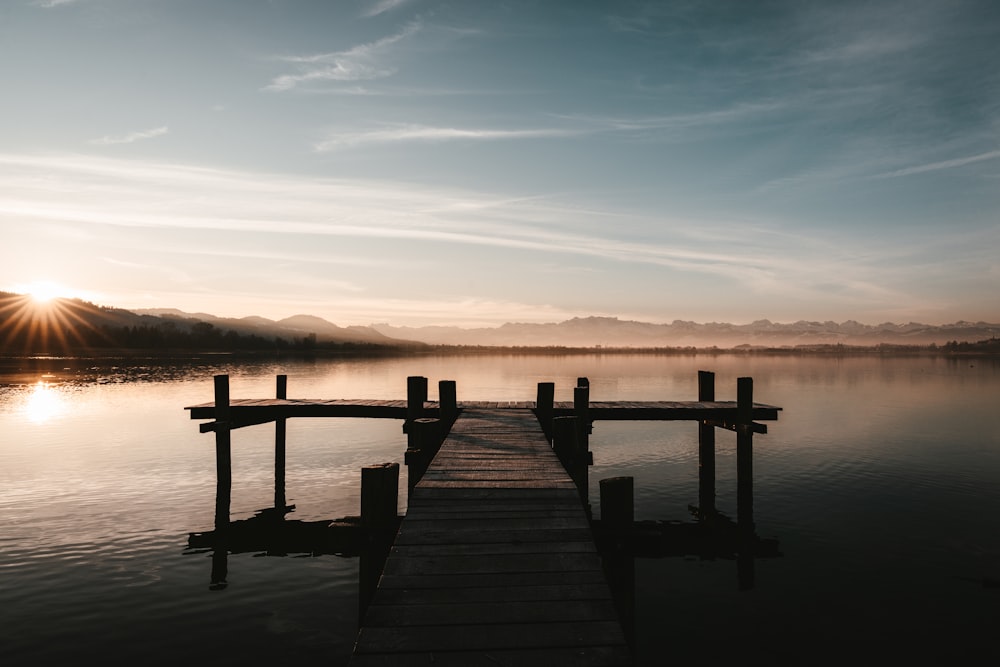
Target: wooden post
{"type": "Point", "coordinates": [544, 407]}
{"type": "Point", "coordinates": [744, 454]}
{"type": "Point", "coordinates": [582, 456]}
{"type": "Point", "coordinates": [280, 507]}
{"type": "Point", "coordinates": [223, 454]}
{"type": "Point", "coordinates": [379, 502]}
{"type": "Point", "coordinates": [706, 450]}
{"type": "Point", "coordinates": [617, 517]}
{"type": "Point", "coordinates": [223, 484]}
{"type": "Point", "coordinates": [583, 382]}
{"type": "Point", "coordinates": [617, 504]}
{"type": "Point", "coordinates": [425, 433]}
{"type": "Point", "coordinates": [416, 396]}
{"type": "Point", "coordinates": [448, 403]}
{"type": "Point", "coordinates": [564, 439]}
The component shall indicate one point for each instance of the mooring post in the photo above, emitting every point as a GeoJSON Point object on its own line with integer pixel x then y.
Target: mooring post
{"type": "Point", "coordinates": [583, 458]}
{"type": "Point", "coordinates": [706, 450]}
{"type": "Point", "coordinates": [448, 404]}
{"type": "Point", "coordinates": [425, 434]}
{"type": "Point", "coordinates": [744, 453]}
{"type": "Point", "coordinates": [566, 442]}
{"type": "Point", "coordinates": [379, 502]}
{"type": "Point", "coordinates": [544, 406]}
{"type": "Point", "coordinates": [416, 396]}
{"type": "Point", "coordinates": [223, 454]}
{"type": "Point", "coordinates": [617, 518]}
{"type": "Point", "coordinates": [280, 424]}
{"type": "Point", "coordinates": [564, 439]}
{"type": "Point", "coordinates": [745, 566]}
{"type": "Point", "coordinates": [617, 505]}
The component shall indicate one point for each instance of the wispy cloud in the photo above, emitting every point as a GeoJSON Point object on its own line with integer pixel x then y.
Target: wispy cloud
{"type": "Point", "coordinates": [48, 4]}
{"type": "Point", "coordinates": [451, 226]}
{"type": "Point", "coordinates": [360, 63]}
{"type": "Point", "coordinates": [382, 7]}
{"type": "Point", "coordinates": [944, 164]}
{"type": "Point", "coordinates": [131, 137]}
{"type": "Point", "coordinates": [427, 133]}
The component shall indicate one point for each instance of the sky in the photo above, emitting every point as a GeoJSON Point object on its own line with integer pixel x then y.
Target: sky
{"type": "Point", "coordinates": [471, 163]}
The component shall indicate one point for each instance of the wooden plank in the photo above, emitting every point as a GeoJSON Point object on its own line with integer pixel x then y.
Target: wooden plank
{"type": "Point", "coordinates": [545, 592]}
{"type": "Point", "coordinates": [581, 656]}
{"type": "Point", "coordinates": [403, 563]}
{"type": "Point", "coordinates": [489, 637]}
{"type": "Point", "coordinates": [462, 613]}
{"type": "Point", "coordinates": [504, 580]}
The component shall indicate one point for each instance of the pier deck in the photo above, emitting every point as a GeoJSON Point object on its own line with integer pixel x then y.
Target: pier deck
{"type": "Point", "coordinates": [252, 411]}
{"type": "Point", "coordinates": [494, 563]}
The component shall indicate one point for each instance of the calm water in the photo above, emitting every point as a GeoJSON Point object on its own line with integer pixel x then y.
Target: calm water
{"type": "Point", "coordinates": [880, 481]}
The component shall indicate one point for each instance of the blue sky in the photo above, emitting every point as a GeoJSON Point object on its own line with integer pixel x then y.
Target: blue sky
{"type": "Point", "coordinates": [471, 163]}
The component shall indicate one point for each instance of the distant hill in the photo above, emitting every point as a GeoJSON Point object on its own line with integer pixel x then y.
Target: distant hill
{"type": "Point", "coordinates": [69, 324]}
{"type": "Point", "coordinates": [65, 325]}
{"type": "Point", "coordinates": [612, 332]}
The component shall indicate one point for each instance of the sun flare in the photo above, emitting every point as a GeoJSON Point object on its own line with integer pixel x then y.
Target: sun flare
{"type": "Point", "coordinates": [43, 291]}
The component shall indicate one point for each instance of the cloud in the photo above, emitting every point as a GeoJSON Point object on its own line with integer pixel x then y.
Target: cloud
{"type": "Point", "coordinates": [382, 7]}
{"type": "Point", "coordinates": [448, 227]}
{"type": "Point", "coordinates": [427, 133]}
{"type": "Point", "coordinates": [131, 137]}
{"type": "Point", "coordinates": [945, 164]}
{"type": "Point", "coordinates": [361, 63]}
{"type": "Point", "coordinates": [48, 4]}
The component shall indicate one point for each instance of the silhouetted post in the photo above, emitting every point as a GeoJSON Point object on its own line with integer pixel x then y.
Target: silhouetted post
{"type": "Point", "coordinates": [544, 406]}
{"type": "Point", "coordinates": [281, 392]}
{"type": "Point", "coordinates": [617, 505]}
{"type": "Point", "coordinates": [425, 433]}
{"type": "Point", "coordinates": [744, 452]}
{"type": "Point", "coordinates": [379, 502]}
{"type": "Point", "coordinates": [582, 457]}
{"type": "Point", "coordinates": [706, 450]}
{"type": "Point", "coordinates": [416, 396]}
{"type": "Point", "coordinates": [223, 454]}
{"type": "Point", "coordinates": [223, 484]}
{"type": "Point", "coordinates": [564, 439]}
{"type": "Point", "coordinates": [448, 404]}
{"type": "Point", "coordinates": [583, 382]}
{"type": "Point", "coordinates": [617, 517]}
{"type": "Point", "coordinates": [745, 566]}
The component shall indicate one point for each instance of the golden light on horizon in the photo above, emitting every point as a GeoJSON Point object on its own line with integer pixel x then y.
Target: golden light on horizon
{"type": "Point", "coordinates": [43, 291]}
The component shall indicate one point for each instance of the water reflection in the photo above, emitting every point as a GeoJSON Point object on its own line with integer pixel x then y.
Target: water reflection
{"type": "Point", "coordinates": [44, 403]}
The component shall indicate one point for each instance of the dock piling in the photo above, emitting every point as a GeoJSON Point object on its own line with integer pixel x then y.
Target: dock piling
{"type": "Point", "coordinates": [280, 426]}
{"type": "Point", "coordinates": [223, 453]}
{"type": "Point", "coordinates": [379, 502]}
{"type": "Point", "coordinates": [544, 402]}
{"type": "Point", "coordinates": [706, 450]}
{"type": "Point", "coordinates": [447, 403]}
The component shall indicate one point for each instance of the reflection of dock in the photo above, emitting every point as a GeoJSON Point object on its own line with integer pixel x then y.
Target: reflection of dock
{"type": "Point", "coordinates": [496, 561]}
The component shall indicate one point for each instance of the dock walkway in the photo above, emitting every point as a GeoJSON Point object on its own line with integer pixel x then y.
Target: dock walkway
{"type": "Point", "coordinates": [494, 563]}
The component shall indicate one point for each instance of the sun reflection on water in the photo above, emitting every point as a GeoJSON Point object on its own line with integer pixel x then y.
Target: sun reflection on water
{"type": "Point", "coordinates": [44, 403]}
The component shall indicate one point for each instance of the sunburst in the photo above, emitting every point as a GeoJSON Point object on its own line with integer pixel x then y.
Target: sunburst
{"type": "Point", "coordinates": [41, 319]}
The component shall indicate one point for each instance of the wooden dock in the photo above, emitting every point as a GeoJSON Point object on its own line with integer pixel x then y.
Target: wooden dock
{"type": "Point", "coordinates": [494, 563]}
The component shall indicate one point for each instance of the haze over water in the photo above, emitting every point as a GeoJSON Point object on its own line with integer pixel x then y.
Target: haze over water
{"type": "Point", "coordinates": [878, 481]}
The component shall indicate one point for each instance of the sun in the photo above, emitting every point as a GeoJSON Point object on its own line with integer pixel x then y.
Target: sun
{"type": "Point", "coordinates": [43, 291]}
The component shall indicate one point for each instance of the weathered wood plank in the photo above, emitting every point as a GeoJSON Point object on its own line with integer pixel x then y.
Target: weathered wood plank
{"type": "Point", "coordinates": [462, 613]}
{"type": "Point", "coordinates": [546, 592]}
{"type": "Point", "coordinates": [584, 656]}
{"type": "Point", "coordinates": [489, 637]}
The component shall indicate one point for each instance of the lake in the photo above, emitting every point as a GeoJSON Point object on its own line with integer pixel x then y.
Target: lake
{"type": "Point", "coordinates": [880, 481]}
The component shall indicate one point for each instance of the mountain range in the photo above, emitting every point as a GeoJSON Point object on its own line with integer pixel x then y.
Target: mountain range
{"type": "Point", "coordinates": [613, 332]}
{"type": "Point", "coordinates": [71, 319]}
